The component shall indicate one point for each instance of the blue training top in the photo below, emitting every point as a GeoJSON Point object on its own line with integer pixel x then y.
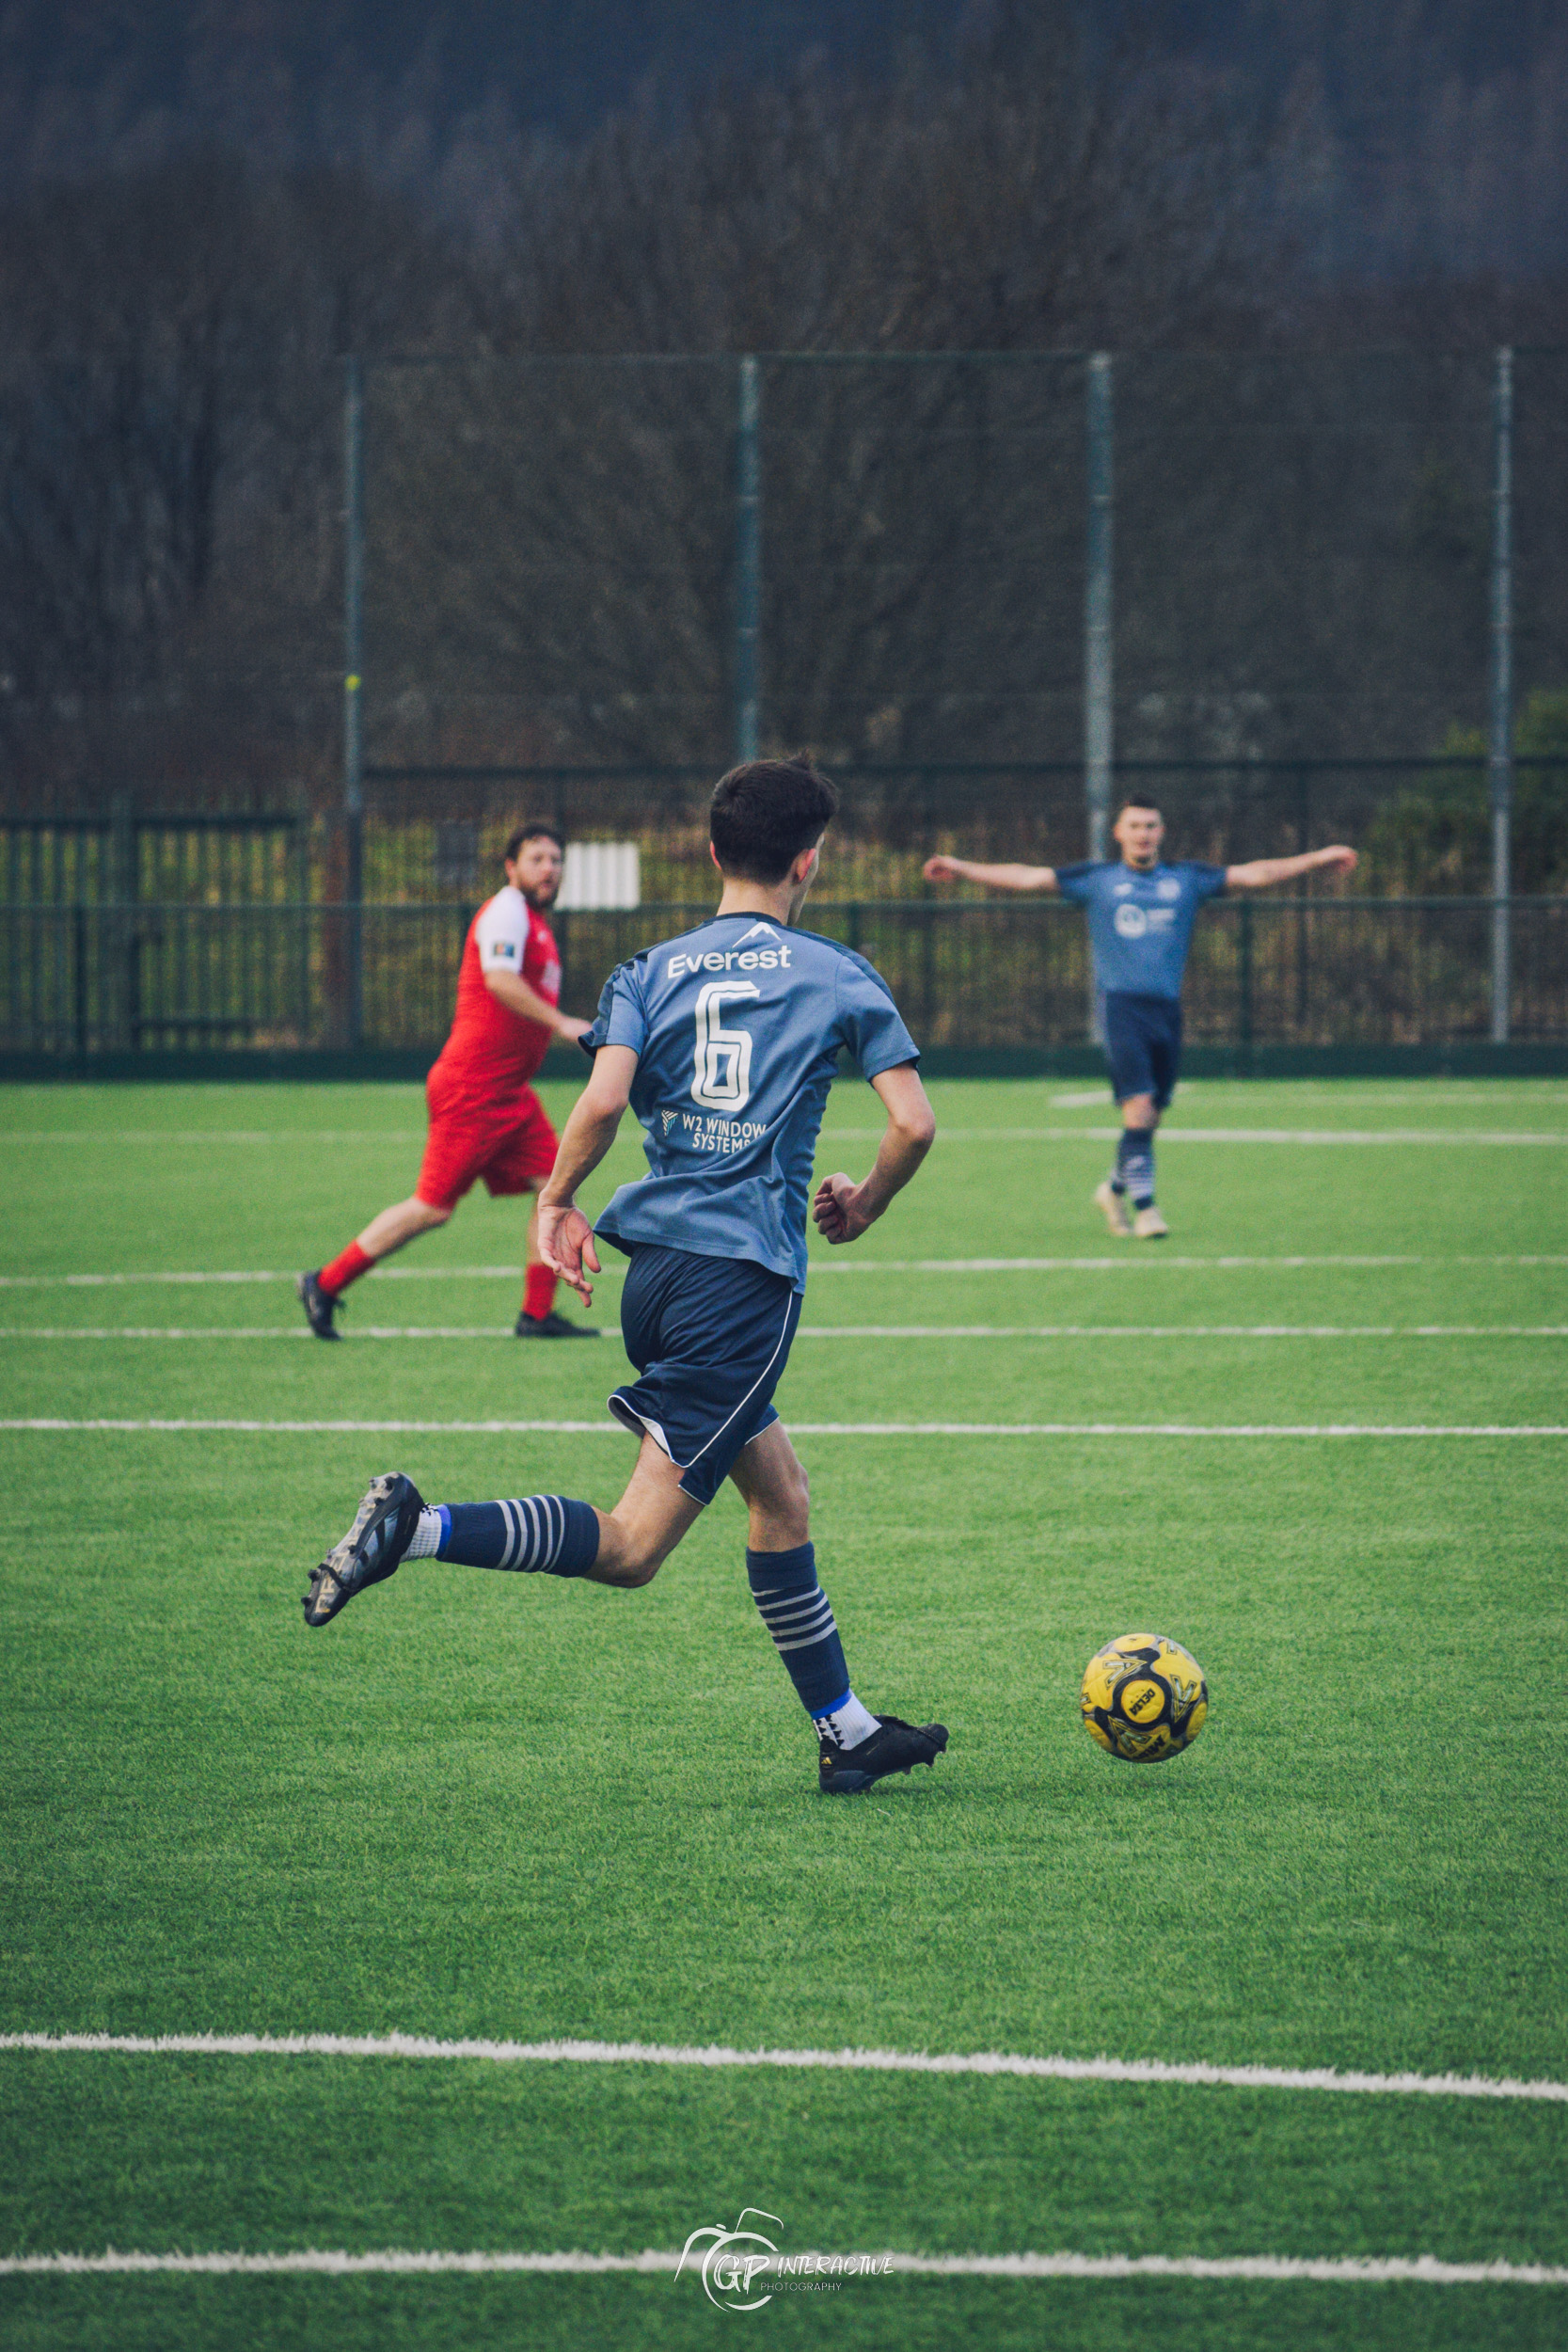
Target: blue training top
{"type": "Point", "coordinates": [738, 1027]}
{"type": "Point", "coordinates": [1140, 924]}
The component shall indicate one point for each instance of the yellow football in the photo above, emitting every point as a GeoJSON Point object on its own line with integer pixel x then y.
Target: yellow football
{"type": "Point", "coordinates": [1144, 1698]}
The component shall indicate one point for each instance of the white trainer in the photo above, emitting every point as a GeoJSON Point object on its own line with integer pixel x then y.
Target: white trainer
{"type": "Point", "coordinates": [1106, 1198]}
{"type": "Point", "coordinates": [1150, 1225]}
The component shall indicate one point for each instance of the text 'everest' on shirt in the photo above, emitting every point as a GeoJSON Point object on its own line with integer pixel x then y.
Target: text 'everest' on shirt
{"type": "Point", "coordinates": [737, 1028]}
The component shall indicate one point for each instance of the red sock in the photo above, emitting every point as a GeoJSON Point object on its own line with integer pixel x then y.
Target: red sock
{"type": "Point", "coordinates": [344, 1270]}
{"type": "Point", "coordinates": [538, 1292]}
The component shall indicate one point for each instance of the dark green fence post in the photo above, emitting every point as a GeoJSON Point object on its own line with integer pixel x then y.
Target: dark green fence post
{"type": "Point", "coordinates": [1097, 619]}
{"type": "Point", "coordinates": [126, 892]}
{"type": "Point", "coordinates": [748, 559]}
{"type": "Point", "coordinates": [1243, 980]}
{"type": "Point", "coordinates": [302, 895]}
{"type": "Point", "coordinates": [79, 934]}
{"type": "Point", "coordinates": [1500, 745]}
{"type": "Point", "coordinates": [353, 662]}
{"type": "Point", "coordinates": [561, 923]}
{"type": "Point", "coordinates": [1303, 917]}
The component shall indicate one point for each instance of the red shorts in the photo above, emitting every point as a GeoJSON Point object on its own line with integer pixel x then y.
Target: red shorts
{"type": "Point", "coordinates": [512, 1147]}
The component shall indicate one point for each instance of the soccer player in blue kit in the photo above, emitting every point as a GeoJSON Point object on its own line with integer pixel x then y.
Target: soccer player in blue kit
{"type": "Point", "coordinates": [725, 1044]}
{"type": "Point", "coordinates": [1141, 917]}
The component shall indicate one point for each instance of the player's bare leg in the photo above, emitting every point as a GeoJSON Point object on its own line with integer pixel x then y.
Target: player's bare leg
{"type": "Point", "coordinates": [537, 1318]}
{"type": "Point", "coordinates": [638, 1535]}
{"type": "Point", "coordinates": [321, 1293]}
{"type": "Point", "coordinates": [854, 1747]}
{"type": "Point", "coordinates": [777, 1493]}
{"type": "Point", "coordinates": [396, 1227]}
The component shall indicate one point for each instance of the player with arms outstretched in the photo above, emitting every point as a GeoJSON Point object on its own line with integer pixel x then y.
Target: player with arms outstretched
{"type": "Point", "coordinates": [725, 1044]}
{"type": "Point", "coordinates": [485, 1119]}
{"type": "Point", "coordinates": [1141, 917]}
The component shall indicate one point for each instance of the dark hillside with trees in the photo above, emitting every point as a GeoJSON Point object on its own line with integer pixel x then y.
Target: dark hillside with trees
{"type": "Point", "coordinates": [201, 219]}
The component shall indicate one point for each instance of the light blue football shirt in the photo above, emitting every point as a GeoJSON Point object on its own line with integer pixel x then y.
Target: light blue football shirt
{"type": "Point", "coordinates": [738, 1027]}
{"type": "Point", "coordinates": [1140, 924]}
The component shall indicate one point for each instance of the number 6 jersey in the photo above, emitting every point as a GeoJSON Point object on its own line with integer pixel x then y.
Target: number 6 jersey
{"type": "Point", "coordinates": [738, 1027]}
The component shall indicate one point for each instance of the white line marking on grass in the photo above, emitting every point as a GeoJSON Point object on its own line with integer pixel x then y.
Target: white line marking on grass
{"type": "Point", "coordinates": [265, 1331]}
{"type": "Point", "coordinates": [1460, 1136]}
{"type": "Point", "coordinates": [1173, 1331]}
{"type": "Point", "coordinates": [818, 1428]}
{"type": "Point", "coordinates": [613, 1273]}
{"type": "Point", "coordinates": [1338, 2270]}
{"type": "Point", "coordinates": [1142, 1263]}
{"type": "Point", "coordinates": [401, 1137]}
{"type": "Point", "coordinates": [722, 2055]}
{"type": "Point", "coordinates": [953, 1132]}
{"type": "Point", "coordinates": [838, 1331]}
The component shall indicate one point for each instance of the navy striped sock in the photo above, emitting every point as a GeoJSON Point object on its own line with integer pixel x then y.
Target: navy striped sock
{"type": "Point", "coordinates": [796, 1613]}
{"type": "Point", "coordinates": [542, 1534]}
{"type": "Point", "coordinates": [1135, 1165]}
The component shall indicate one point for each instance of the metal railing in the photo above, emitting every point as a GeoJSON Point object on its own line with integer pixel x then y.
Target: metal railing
{"type": "Point", "coordinates": [82, 980]}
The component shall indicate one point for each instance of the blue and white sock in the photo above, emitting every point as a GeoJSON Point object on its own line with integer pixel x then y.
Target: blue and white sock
{"type": "Point", "coordinates": [548, 1535]}
{"type": "Point", "coordinates": [795, 1610]}
{"type": "Point", "coordinates": [1135, 1170]}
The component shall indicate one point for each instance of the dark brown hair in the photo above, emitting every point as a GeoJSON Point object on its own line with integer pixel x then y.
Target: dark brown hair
{"type": "Point", "coordinates": [535, 829]}
{"type": "Point", "coordinates": [764, 814]}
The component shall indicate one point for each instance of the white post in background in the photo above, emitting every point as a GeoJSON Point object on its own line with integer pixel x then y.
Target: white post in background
{"type": "Point", "coordinates": [1098, 617]}
{"type": "Point", "coordinates": [1499, 764]}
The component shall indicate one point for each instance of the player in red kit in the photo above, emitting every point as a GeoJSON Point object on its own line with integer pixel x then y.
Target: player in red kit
{"type": "Point", "coordinates": [485, 1119]}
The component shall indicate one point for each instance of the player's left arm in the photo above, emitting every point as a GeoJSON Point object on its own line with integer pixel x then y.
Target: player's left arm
{"type": "Point", "coordinates": [1262, 873]}
{"type": "Point", "coordinates": [844, 1209]}
{"type": "Point", "coordinates": [514, 991]}
{"type": "Point", "coordinates": [566, 1236]}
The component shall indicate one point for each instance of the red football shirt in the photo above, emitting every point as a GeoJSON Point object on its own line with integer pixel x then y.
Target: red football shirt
{"type": "Point", "coordinates": [493, 1050]}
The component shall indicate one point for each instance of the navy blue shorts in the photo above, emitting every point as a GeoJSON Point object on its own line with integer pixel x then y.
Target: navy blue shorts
{"type": "Point", "coordinates": [1143, 1045]}
{"type": "Point", "coordinates": [710, 1337]}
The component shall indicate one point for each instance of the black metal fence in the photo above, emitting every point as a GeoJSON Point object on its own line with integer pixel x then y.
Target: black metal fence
{"type": "Point", "coordinates": [84, 980]}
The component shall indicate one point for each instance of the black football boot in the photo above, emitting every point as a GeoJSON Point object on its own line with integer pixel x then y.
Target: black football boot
{"type": "Point", "coordinates": [893, 1747]}
{"type": "Point", "coordinates": [552, 1326]}
{"type": "Point", "coordinates": [320, 1306]}
{"type": "Point", "coordinates": [383, 1529]}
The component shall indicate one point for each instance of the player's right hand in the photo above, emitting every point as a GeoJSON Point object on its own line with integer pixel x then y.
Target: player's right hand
{"type": "Point", "coordinates": [835, 1210]}
{"type": "Point", "coordinates": [566, 1246]}
{"type": "Point", "coordinates": [941, 869]}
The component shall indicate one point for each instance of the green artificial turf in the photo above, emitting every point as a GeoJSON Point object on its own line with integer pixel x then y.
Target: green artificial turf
{"type": "Point", "coordinates": [506, 1807]}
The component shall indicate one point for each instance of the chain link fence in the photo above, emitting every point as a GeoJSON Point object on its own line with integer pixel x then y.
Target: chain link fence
{"type": "Point", "coordinates": [1004, 977]}
{"type": "Point", "coordinates": [1330, 597]}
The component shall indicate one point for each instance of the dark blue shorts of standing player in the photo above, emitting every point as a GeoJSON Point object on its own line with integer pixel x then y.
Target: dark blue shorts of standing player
{"type": "Point", "coordinates": [710, 1338]}
{"type": "Point", "coordinates": [1143, 1045]}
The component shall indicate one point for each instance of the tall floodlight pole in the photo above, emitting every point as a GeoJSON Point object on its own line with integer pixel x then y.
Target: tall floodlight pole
{"type": "Point", "coordinates": [1500, 763]}
{"type": "Point", "coordinates": [353, 656]}
{"type": "Point", "coordinates": [748, 559]}
{"type": "Point", "coordinates": [1097, 616]}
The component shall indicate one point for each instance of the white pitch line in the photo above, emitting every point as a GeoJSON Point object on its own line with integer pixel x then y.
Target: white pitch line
{"type": "Point", "coordinates": [377, 1274]}
{"type": "Point", "coordinates": [838, 1331]}
{"type": "Point", "coordinates": [1142, 1263]}
{"type": "Point", "coordinates": [1320, 2269]}
{"type": "Point", "coordinates": [956, 1133]}
{"type": "Point", "coordinates": [88, 1136]}
{"type": "Point", "coordinates": [812, 1428]}
{"type": "Point", "coordinates": [953, 1132]}
{"type": "Point", "coordinates": [721, 2055]}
